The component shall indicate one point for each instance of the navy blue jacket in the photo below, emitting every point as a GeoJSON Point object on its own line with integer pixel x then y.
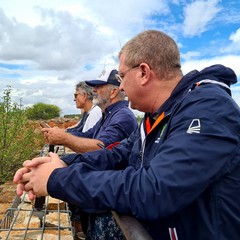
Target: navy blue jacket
{"type": "Point", "coordinates": [117, 123]}
{"type": "Point", "coordinates": [182, 178]}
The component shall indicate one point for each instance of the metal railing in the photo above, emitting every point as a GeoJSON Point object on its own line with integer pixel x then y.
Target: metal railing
{"type": "Point", "coordinates": [13, 227]}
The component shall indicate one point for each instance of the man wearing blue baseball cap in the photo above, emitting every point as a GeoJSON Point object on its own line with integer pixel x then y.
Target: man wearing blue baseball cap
{"type": "Point", "coordinates": [117, 122]}
{"type": "Point", "coordinates": [106, 77]}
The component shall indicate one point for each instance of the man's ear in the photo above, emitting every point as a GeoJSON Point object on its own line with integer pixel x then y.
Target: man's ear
{"type": "Point", "coordinates": [114, 92]}
{"type": "Point", "coordinates": [85, 96]}
{"type": "Point", "coordinates": [145, 73]}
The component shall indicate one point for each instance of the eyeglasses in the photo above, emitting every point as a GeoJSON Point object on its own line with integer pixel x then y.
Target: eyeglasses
{"type": "Point", "coordinates": [120, 76]}
{"type": "Point", "coordinates": [76, 94]}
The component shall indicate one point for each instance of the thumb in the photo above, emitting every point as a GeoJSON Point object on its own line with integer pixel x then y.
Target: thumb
{"type": "Point", "coordinates": [54, 157]}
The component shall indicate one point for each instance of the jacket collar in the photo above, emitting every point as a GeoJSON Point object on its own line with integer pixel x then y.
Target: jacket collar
{"type": "Point", "coordinates": [217, 73]}
{"type": "Point", "coordinates": [115, 106]}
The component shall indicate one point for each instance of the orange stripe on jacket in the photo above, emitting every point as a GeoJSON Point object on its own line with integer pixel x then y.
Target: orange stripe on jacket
{"type": "Point", "coordinates": [149, 128]}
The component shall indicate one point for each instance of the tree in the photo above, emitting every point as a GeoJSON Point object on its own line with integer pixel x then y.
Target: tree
{"type": "Point", "coordinates": [19, 139]}
{"type": "Point", "coordinates": [43, 111]}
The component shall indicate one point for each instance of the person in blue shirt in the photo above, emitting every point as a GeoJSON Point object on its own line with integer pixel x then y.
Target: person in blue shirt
{"type": "Point", "coordinates": [178, 174]}
{"type": "Point", "coordinates": [117, 121]}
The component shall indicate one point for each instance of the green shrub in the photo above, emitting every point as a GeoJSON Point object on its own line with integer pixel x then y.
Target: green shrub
{"type": "Point", "coordinates": [43, 111]}
{"type": "Point", "coordinates": [18, 138]}
{"type": "Point", "coordinates": [73, 116]}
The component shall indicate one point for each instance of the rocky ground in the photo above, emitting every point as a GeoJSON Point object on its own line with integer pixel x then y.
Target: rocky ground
{"type": "Point", "coordinates": [62, 122]}
{"type": "Point", "coordinates": [27, 221]}
{"type": "Point", "coordinates": [7, 195]}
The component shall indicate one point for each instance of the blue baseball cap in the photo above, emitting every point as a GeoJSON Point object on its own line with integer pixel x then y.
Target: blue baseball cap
{"type": "Point", "coordinates": [106, 77]}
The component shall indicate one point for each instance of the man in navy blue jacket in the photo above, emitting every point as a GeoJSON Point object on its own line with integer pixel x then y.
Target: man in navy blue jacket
{"type": "Point", "coordinates": [179, 172]}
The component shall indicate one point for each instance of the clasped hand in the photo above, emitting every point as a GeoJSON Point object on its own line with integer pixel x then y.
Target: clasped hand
{"type": "Point", "coordinates": [34, 175]}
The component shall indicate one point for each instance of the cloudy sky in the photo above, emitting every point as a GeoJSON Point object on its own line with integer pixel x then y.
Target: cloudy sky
{"type": "Point", "coordinates": [47, 46]}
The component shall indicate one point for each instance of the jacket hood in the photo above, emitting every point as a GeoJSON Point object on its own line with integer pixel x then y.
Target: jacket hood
{"type": "Point", "coordinates": [216, 72]}
{"type": "Point", "coordinates": [220, 73]}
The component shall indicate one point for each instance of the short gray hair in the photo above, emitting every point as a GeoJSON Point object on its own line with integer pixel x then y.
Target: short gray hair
{"type": "Point", "coordinates": [121, 94]}
{"type": "Point", "coordinates": [155, 48]}
{"type": "Point", "coordinates": [82, 86]}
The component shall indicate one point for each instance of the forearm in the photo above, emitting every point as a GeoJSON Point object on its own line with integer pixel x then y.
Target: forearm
{"type": "Point", "coordinates": [80, 144]}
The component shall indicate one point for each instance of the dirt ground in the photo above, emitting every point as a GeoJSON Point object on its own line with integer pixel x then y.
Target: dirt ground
{"type": "Point", "coordinates": [7, 195]}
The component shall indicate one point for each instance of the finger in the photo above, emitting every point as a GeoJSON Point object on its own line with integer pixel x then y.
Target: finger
{"type": "Point", "coordinates": [19, 173]}
{"type": "Point", "coordinates": [25, 162]}
{"type": "Point", "coordinates": [53, 156]}
{"type": "Point", "coordinates": [37, 161]}
{"type": "Point", "coordinates": [20, 189]}
{"type": "Point", "coordinates": [44, 130]}
{"type": "Point", "coordinates": [28, 187]}
{"type": "Point", "coordinates": [25, 177]}
{"type": "Point", "coordinates": [31, 195]}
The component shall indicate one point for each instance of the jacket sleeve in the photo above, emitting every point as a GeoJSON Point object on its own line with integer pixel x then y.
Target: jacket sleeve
{"type": "Point", "coordinates": [185, 164]}
{"type": "Point", "coordinates": [105, 159]}
{"type": "Point", "coordinates": [88, 134]}
{"type": "Point", "coordinates": [114, 129]}
{"type": "Point", "coordinates": [118, 127]}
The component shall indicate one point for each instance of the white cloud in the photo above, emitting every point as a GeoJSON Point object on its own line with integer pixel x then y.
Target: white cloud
{"type": "Point", "coordinates": [198, 16]}
{"type": "Point", "coordinates": [64, 42]}
{"type": "Point", "coordinates": [61, 42]}
{"type": "Point", "coordinates": [62, 35]}
{"type": "Point", "coordinates": [231, 61]}
{"type": "Point", "coordinates": [67, 43]}
{"type": "Point", "coordinates": [235, 43]}
{"type": "Point", "coordinates": [235, 37]}
{"type": "Point", "coordinates": [190, 55]}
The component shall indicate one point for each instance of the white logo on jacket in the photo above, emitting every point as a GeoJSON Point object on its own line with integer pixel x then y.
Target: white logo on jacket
{"type": "Point", "coordinates": [194, 127]}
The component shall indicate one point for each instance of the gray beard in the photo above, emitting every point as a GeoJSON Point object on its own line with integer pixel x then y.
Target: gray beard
{"type": "Point", "coordinates": [95, 101]}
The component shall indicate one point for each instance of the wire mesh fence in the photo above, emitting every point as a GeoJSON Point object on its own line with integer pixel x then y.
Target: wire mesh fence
{"type": "Point", "coordinates": [25, 220]}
